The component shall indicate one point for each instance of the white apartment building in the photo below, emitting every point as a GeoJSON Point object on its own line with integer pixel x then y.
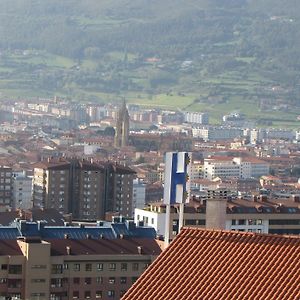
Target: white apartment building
{"type": "Point", "coordinates": [216, 133]}
{"type": "Point", "coordinates": [138, 194]}
{"type": "Point", "coordinates": [156, 217]}
{"type": "Point", "coordinates": [21, 191]}
{"type": "Point", "coordinates": [236, 167]}
{"type": "Point", "coordinates": [196, 117]}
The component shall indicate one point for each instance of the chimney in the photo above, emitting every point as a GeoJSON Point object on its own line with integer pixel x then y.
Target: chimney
{"type": "Point", "coordinates": [216, 206]}
{"type": "Point", "coordinates": [68, 248]}
{"type": "Point", "coordinates": [140, 250]}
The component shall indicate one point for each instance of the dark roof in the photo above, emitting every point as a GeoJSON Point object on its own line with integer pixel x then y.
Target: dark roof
{"type": "Point", "coordinates": [223, 265]}
{"type": "Point", "coordinates": [9, 247]}
{"type": "Point", "coordinates": [51, 216]}
{"type": "Point", "coordinates": [108, 231]}
{"type": "Point", "coordinates": [104, 246]}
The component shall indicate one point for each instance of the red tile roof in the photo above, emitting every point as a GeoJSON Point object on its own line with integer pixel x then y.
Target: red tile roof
{"type": "Point", "coordinates": [219, 265]}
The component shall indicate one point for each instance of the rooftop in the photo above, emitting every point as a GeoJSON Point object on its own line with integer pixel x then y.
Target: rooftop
{"type": "Point", "coordinates": [223, 265]}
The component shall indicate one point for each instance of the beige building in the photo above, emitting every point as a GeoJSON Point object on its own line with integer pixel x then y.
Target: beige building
{"type": "Point", "coordinates": [86, 189]}
{"type": "Point", "coordinates": [72, 269]}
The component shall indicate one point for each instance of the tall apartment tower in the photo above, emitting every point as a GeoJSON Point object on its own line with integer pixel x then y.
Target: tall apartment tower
{"type": "Point", "coordinates": [70, 187]}
{"type": "Point", "coordinates": [6, 186]}
{"type": "Point", "coordinates": [86, 189]}
{"type": "Point", "coordinates": [122, 127]}
{"type": "Point", "coordinates": [119, 189]}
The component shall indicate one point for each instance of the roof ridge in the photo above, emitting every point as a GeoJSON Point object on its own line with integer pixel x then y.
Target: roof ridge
{"type": "Point", "coordinates": [287, 237]}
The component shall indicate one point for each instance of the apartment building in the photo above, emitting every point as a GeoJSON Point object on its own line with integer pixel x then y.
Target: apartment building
{"type": "Point", "coordinates": [6, 186]}
{"type": "Point", "coordinates": [236, 167]}
{"type": "Point", "coordinates": [95, 261]}
{"type": "Point", "coordinates": [259, 214]}
{"type": "Point", "coordinates": [62, 269]}
{"type": "Point", "coordinates": [21, 191]}
{"type": "Point", "coordinates": [86, 189]}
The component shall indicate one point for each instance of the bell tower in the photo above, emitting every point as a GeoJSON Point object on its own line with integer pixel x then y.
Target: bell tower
{"type": "Point", "coordinates": [122, 127]}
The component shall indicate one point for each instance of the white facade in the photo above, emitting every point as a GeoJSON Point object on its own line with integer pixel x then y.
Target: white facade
{"type": "Point", "coordinates": [156, 220]}
{"type": "Point", "coordinates": [196, 117]}
{"type": "Point", "coordinates": [236, 167]}
{"type": "Point", "coordinates": [222, 169]}
{"type": "Point", "coordinates": [151, 219]}
{"type": "Point", "coordinates": [249, 225]}
{"type": "Point", "coordinates": [216, 133]}
{"type": "Point", "coordinates": [138, 194]}
{"type": "Point", "coordinates": [91, 149]}
{"type": "Point", "coordinates": [22, 191]}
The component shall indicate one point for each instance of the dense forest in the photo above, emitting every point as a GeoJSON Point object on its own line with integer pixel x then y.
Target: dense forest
{"type": "Point", "coordinates": [194, 42]}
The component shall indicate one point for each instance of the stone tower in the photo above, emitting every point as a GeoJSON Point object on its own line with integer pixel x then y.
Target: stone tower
{"type": "Point", "coordinates": [122, 127]}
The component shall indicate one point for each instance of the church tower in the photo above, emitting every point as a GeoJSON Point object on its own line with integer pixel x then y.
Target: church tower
{"type": "Point", "coordinates": [122, 127]}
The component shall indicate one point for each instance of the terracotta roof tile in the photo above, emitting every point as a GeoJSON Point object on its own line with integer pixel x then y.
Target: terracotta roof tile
{"type": "Point", "coordinates": [207, 264]}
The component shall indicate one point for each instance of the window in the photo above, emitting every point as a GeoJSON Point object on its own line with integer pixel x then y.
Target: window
{"type": "Point", "coordinates": [39, 267]}
{"type": "Point", "coordinates": [56, 282]}
{"type": "Point", "coordinates": [98, 294]}
{"type": "Point", "coordinates": [15, 269]}
{"type": "Point", "coordinates": [14, 283]}
{"type": "Point", "coordinates": [112, 267]}
{"type": "Point", "coordinates": [99, 279]}
{"type": "Point", "coordinates": [3, 280]}
{"type": "Point", "coordinates": [88, 267]}
{"type": "Point", "coordinates": [76, 267]}
{"type": "Point", "coordinates": [3, 267]}
{"type": "Point", "coordinates": [99, 267]}
{"type": "Point", "coordinates": [111, 294]}
{"type": "Point", "coordinates": [38, 280]}
{"type": "Point", "coordinates": [123, 280]}
{"type": "Point", "coordinates": [123, 267]}
{"type": "Point", "coordinates": [87, 280]}
{"type": "Point", "coordinates": [75, 294]}
{"type": "Point", "coordinates": [233, 222]}
{"type": "Point", "coordinates": [57, 269]}
{"type": "Point", "coordinates": [241, 222]}
{"type": "Point", "coordinates": [76, 280]}
{"type": "Point", "coordinates": [111, 280]}
{"type": "Point", "coordinates": [135, 267]}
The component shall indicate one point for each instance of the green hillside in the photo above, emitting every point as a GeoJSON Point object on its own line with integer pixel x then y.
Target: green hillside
{"type": "Point", "coordinates": [199, 54]}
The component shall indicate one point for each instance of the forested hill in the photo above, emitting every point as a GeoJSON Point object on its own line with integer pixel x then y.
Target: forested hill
{"type": "Point", "coordinates": [268, 29]}
{"type": "Point", "coordinates": [256, 38]}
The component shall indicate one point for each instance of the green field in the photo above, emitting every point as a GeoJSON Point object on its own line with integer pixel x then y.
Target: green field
{"type": "Point", "coordinates": [34, 74]}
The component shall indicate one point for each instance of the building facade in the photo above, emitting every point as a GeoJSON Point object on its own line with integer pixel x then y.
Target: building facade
{"type": "Point", "coordinates": [6, 186]}
{"type": "Point", "coordinates": [33, 269]}
{"type": "Point", "coordinates": [86, 189]}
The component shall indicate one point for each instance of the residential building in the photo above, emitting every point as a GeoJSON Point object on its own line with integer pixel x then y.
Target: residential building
{"type": "Point", "coordinates": [138, 194]}
{"type": "Point", "coordinates": [6, 186]}
{"type": "Point", "coordinates": [257, 214]}
{"type": "Point", "coordinates": [86, 189]}
{"type": "Point", "coordinates": [196, 117]}
{"type": "Point", "coordinates": [21, 191]}
{"type": "Point", "coordinates": [237, 167]}
{"type": "Point", "coordinates": [223, 265]}
{"type": "Point", "coordinates": [72, 263]}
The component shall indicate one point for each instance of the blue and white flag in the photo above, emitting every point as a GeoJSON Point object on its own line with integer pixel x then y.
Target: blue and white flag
{"type": "Point", "coordinates": [177, 183]}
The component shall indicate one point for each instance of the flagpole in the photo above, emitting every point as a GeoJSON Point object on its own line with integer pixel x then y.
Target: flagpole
{"type": "Point", "coordinates": [181, 214]}
{"type": "Point", "coordinates": [167, 224]}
